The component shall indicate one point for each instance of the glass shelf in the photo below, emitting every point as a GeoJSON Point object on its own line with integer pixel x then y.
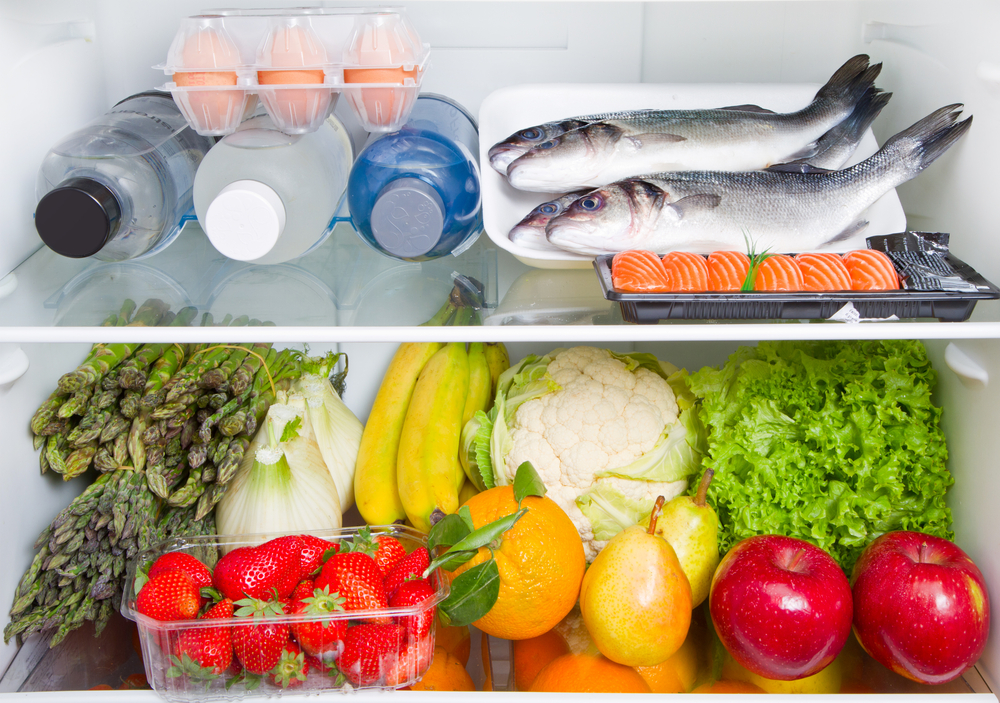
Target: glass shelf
{"type": "Point", "coordinates": [346, 292]}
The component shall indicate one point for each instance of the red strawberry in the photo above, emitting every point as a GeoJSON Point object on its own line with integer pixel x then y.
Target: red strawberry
{"type": "Point", "coordinates": [389, 553]}
{"type": "Point", "coordinates": [259, 642]}
{"type": "Point", "coordinates": [291, 669]}
{"type": "Point", "coordinates": [369, 651]}
{"type": "Point", "coordinates": [411, 663]}
{"type": "Point", "coordinates": [322, 636]}
{"type": "Point", "coordinates": [171, 595]}
{"type": "Point", "coordinates": [356, 578]}
{"type": "Point", "coordinates": [289, 545]}
{"type": "Point", "coordinates": [204, 653]}
{"type": "Point", "coordinates": [409, 595]}
{"type": "Point", "coordinates": [412, 566]}
{"type": "Point", "coordinates": [257, 572]}
{"type": "Point", "coordinates": [198, 572]}
{"type": "Point", "coordinates": [313, 549]}
{"type": "Point", "coordinates": [303, 590]}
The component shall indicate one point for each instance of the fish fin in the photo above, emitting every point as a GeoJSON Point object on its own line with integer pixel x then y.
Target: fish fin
{"type": "Point", "coordinates": [691, 205]}
{"type": "Point", "coordinates": [848, 232]}
{"type": "Point", "coordinates": [850, 82]}
{"type": "Point", "coordinates": [650, 138]}
{"type": "Point", "coordinates": [923, 142]}
{"type": "Point", "coordinates": [749, 108]}
{"type": "Point", "coordinates": [797, 167]}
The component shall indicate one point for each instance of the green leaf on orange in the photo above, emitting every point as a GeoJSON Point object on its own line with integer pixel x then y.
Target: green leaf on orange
{"type": "Point", "coordinates": [527, 482]}
{"type": "Point", "coordinates": [473, 594]}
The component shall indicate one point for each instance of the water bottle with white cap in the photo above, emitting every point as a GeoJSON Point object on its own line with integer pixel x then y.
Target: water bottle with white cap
{"type": "Point", "coordinates": [266, 197]}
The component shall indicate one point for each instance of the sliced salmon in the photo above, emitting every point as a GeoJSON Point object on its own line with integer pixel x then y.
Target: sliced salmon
{"type": "Point", "coordinates": [727, 270]}
{"type": "Point", "coordinates": [823, 271]}
{"type": "Point", "coordinates": [778, 272]}
{"type": "Point", "coordinates": [871, 269]}
{"type": "Point", "coordinates": [686, 272]}
{"type": "Point", "coordinates": [639, 271]}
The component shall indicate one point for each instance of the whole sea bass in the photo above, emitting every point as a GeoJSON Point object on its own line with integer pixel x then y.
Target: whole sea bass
{"type": "Point", "coordinates": [590, 151]}
{"type": "Point", "coordinates": [832, 150]}
{"type": "Point", "coordinates": [783, 212]}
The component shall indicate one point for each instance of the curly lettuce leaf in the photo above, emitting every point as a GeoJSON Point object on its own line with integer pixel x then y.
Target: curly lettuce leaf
{"type": "Point", "coordinates": [832, 442]}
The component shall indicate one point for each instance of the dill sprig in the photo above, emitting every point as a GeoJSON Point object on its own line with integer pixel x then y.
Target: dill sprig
{"type": "Point", "coordinates": [756, 259]}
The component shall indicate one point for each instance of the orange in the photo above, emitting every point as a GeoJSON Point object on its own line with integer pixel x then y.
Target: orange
{"type": "Point", "coordinates": [728, 687]}
{"type": "Point", "coordinates": [457, 641]}
{"type": "Point", "coordinates": [446, 673]}
{"type": "Point", "coordinates": [588, 673]}
{"type": "Point", "coordinates": [531, 656]}
{"type": "Point", "coordinates": [540, 560]}
{"type": "Point", "coordinates": [675, 675]}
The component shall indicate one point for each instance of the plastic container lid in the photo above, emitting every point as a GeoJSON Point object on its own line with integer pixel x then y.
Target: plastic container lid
{"type": "Point", "coordinates": [245, 220]}
{"type": "Point", "coordinates": [408, 217]}
{"type": "Point", "coordinates": [78, 217]}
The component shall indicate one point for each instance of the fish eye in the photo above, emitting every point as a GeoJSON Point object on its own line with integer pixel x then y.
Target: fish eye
{"type": "Point", "coordinates": [548, 208]}
{"type": "Point", "coordinates": [531, 133]}
{"type": "Point", "coordinates": [591, 202]}
{"type": "Point", "coordinates": [547, 145]}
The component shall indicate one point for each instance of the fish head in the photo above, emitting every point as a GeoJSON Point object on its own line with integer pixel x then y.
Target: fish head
{"type": "Point", "coordinates": [606, 220]}
{"type": "Point", "coordinates": [503, 153]}
{"type": "Point", "coordinates": [572, 159]}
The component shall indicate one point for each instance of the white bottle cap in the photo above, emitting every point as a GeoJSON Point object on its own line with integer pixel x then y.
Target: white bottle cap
{"type": "Point", "coordinates": [245, 220]}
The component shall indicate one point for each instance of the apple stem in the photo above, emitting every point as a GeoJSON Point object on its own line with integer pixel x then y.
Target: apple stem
{"type": "Point", "coordinates": [702, 495]}
{"type": "Point", "coordinates": [655, 514]}
{"type": "Point", "coordinates": [922, 556]}
{"type": "Point", "coordinates": [796, 559]}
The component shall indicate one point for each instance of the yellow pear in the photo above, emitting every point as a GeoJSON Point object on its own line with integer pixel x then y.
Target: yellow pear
{"type": "Point", "coordinates": [635, 598]}
{"type": "Point", "coordinates": [691, 527]}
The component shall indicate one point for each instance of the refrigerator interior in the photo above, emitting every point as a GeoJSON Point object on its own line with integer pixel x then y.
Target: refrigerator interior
{"type": "Point", "coordinates": [68, 61]}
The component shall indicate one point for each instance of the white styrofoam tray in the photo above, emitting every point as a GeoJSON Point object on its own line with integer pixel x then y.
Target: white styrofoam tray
{"type": "Point", "coordinates": [508, 110]}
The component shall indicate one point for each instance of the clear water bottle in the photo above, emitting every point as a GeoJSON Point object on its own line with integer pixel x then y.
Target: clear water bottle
{"type": "Point", "coordinates": [415, 194]}
{"type": "Point", "coordinates": [267, 197]}
{"type": "Point", "coordinates": [120, 187]}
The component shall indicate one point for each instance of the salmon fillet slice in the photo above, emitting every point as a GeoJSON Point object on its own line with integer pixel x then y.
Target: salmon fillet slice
{"type": "Point", "coordinates": [824, 271]}
{"type": "Point", "coordinates": [686, 272]}
{"type": "Point", "coordinates": [727, 270]}
{"type": "Point", "coordinates": [871, 269]}
{"type": "Point", "coordinates": [778, 272]}
{"type": "Point", "coordinates": [638, 271]}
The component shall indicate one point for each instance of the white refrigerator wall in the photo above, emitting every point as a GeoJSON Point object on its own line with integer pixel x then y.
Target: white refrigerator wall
{"type": "Point", "coordinates": [67, 61]}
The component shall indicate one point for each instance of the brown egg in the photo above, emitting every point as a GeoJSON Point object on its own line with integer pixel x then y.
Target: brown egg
{"type": "Point", "coordinates": [211, 110]}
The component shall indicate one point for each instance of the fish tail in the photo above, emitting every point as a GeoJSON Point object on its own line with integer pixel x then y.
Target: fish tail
{"type": "Point", "coordinates": [838, 144]}
{"type": "Point", "coordinates": [850, 83]}
{"type": "Point", "coordinates": [919, 145]}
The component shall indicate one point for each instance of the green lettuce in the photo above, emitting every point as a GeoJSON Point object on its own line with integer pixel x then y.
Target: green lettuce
{"type": "Point", "coordinates": [831, 442]}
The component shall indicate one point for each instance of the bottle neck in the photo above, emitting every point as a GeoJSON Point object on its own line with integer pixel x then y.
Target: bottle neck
{"type": "Point", "coordinates": [78, 217]}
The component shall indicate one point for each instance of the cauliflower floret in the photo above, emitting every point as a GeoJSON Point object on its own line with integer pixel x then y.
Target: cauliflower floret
{"type": "Point", "coordinates": [603, 417]}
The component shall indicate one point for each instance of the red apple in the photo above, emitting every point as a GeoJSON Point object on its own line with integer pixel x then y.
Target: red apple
{"type": "Point", "coordinates": [781, 606]}
{"type": "Point", "coordinates": [920, 606]}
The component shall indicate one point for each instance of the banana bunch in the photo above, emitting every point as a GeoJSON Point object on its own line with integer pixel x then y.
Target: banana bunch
{"type": "Point", "coordinates": [408, 465]}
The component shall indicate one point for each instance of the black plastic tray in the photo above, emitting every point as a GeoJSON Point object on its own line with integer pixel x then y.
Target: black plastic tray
{"type": "Point", "coordinates": [946, 306]}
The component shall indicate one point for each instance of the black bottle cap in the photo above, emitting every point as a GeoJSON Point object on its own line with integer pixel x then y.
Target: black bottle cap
{"type": "Point", "coordinates": [78, 217]}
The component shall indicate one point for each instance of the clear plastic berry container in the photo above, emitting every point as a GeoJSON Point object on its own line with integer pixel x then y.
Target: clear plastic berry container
{"type": "Point", "coordinates": [166, 645]}
{"type": "Point", "coordinates": [297, 61]}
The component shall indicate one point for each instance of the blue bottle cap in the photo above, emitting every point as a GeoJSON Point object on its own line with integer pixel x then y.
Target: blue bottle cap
{"type": "Point", "coordinates": [407, 219]}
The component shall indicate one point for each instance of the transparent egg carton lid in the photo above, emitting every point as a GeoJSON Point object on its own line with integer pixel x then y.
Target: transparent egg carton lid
{"type": "Point", "coordinates": [297, 62]}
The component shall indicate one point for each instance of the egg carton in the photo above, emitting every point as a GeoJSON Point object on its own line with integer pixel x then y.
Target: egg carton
{"type": "Point", "coordinates": [297, 62]}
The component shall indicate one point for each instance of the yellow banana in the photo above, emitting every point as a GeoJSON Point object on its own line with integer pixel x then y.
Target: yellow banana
{"type": "Point", "coordinates": [480, 382]}
{"type": "Point", "coordinates": [428, 472]}
{"type": "Point", "coordinates": [480, 398]}
{"type": "Point", "coordinates": [466, 492]}
{"type": "Point", "coordinates": [498, 360]}
{"type": "Point", "coordinates": [375, 472]}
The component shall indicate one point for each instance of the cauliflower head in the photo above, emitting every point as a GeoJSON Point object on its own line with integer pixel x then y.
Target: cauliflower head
{"type": "Point", "coordinates": [605, 425]}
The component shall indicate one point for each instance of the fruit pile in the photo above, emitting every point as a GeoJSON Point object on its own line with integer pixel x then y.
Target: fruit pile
{"type": "Point", "coordinates": [639, 271]}
{"type": "Point", "coordinates": [295, 611]}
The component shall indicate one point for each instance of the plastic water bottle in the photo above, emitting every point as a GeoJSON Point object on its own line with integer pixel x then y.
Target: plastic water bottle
{"type": "Point", "coordinates": [415, 194]}
{"type": "Point", "coordinates": [267, 197]}
{"type": "Point", "coordinates": [120, 187]}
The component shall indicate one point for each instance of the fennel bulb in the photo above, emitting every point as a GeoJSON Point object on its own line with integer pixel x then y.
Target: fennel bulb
{"type": "Point", "coordinates": [336, 431]}
{"type": "Point", "coordinates": [282, 485]}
